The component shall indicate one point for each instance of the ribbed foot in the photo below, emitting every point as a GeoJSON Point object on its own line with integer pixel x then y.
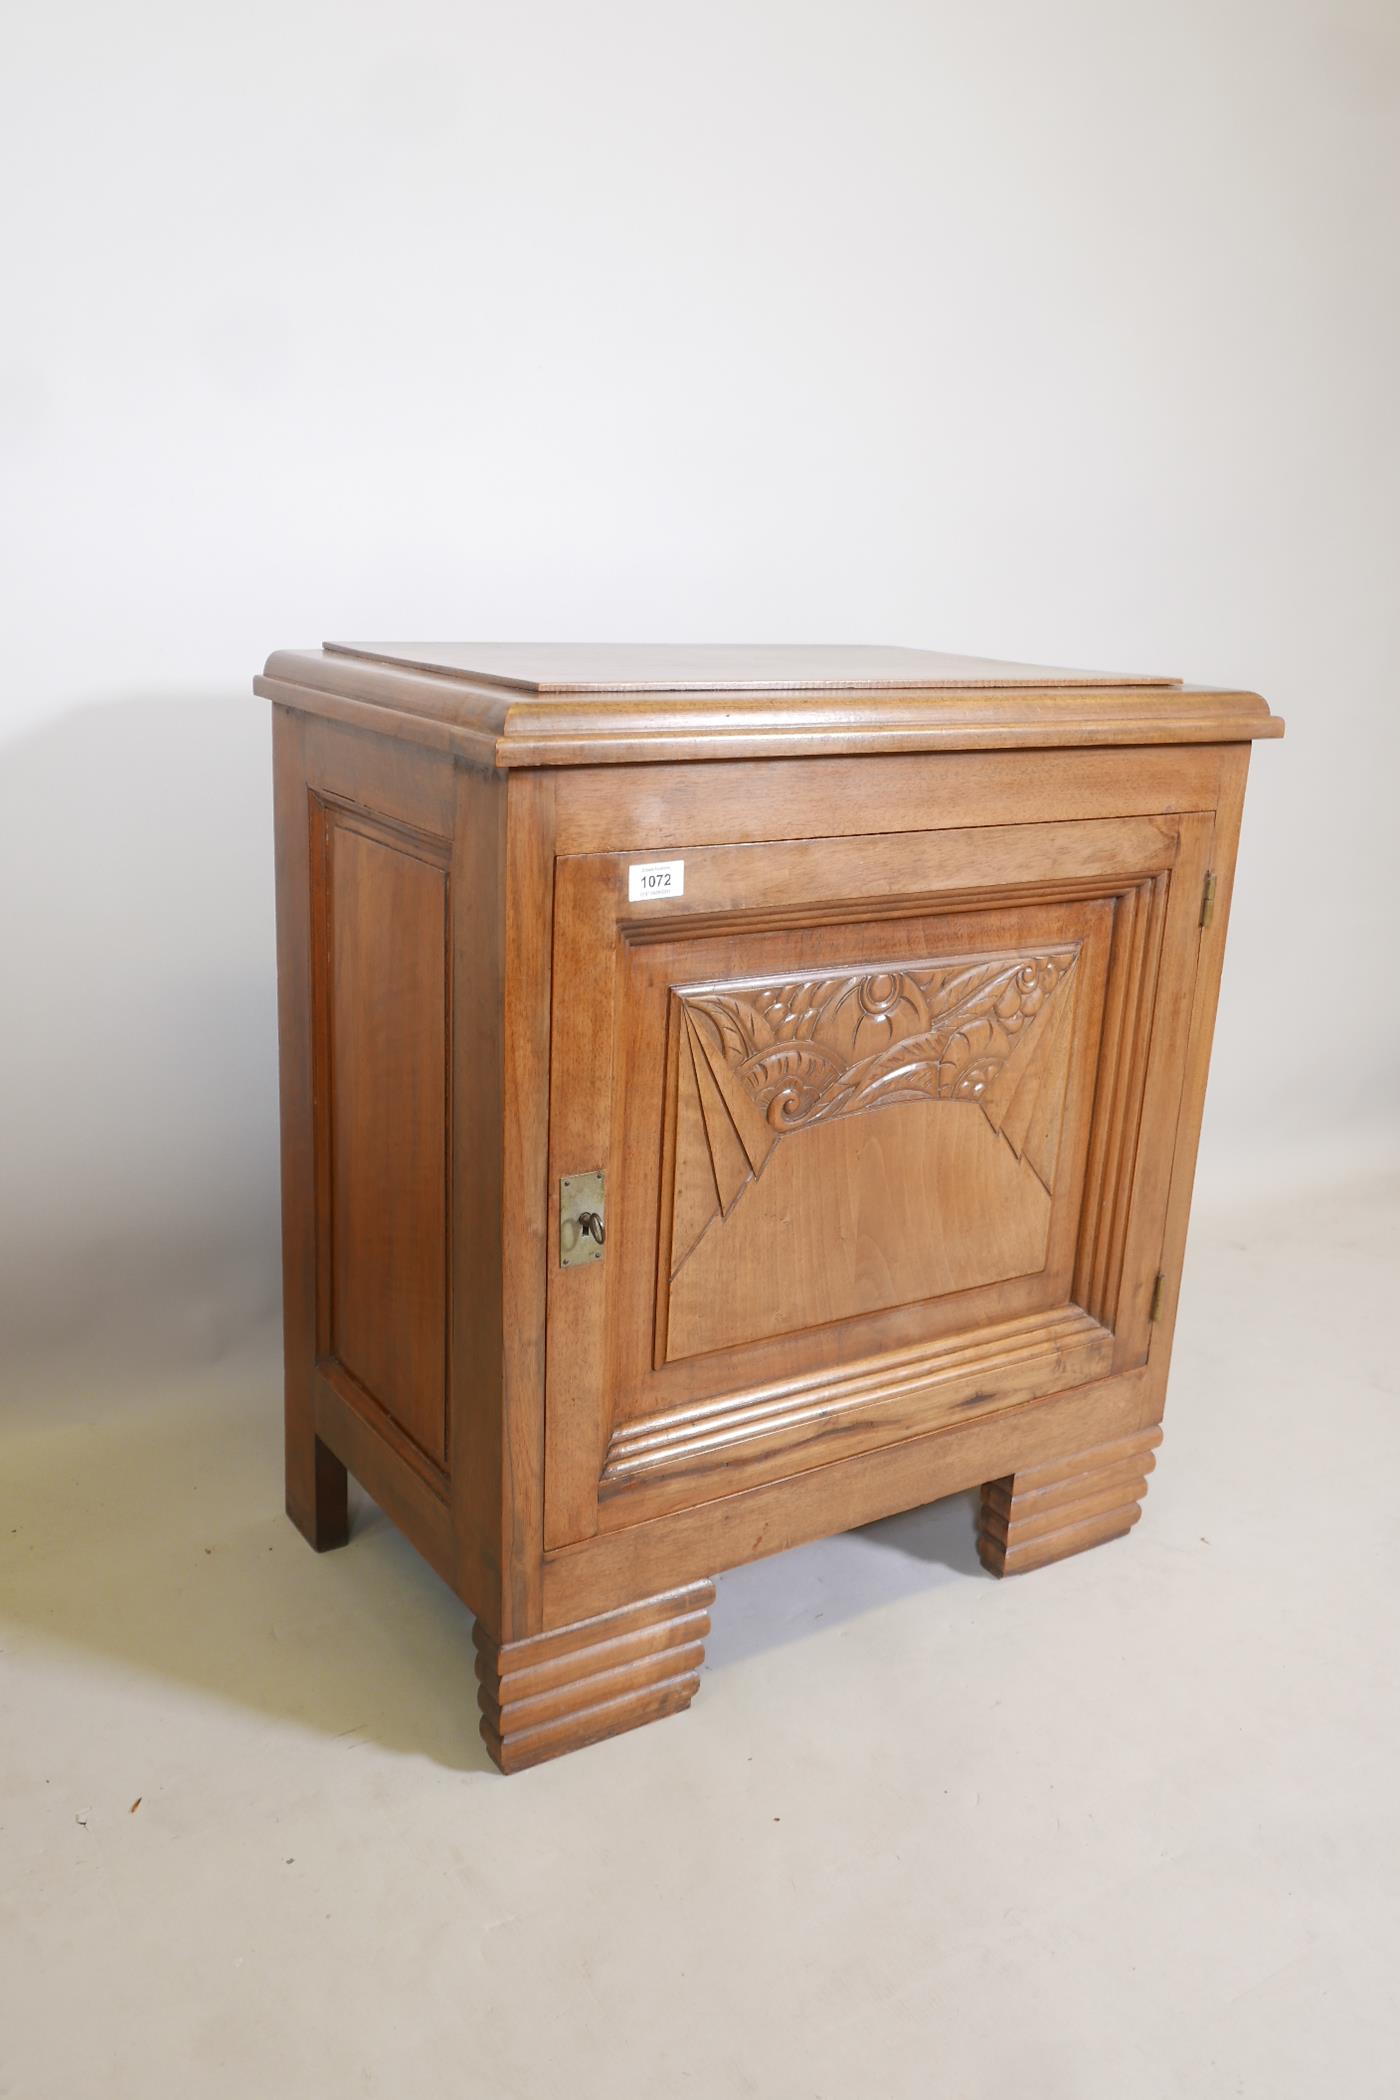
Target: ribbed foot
{"type": "Point", "coordinates": [1046, 1512]}
{"type": "Point", "coordinates": [558, 1691]}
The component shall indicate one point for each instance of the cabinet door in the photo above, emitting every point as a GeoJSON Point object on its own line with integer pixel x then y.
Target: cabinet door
{"type": "Point", "coordinates": [886, 1126]}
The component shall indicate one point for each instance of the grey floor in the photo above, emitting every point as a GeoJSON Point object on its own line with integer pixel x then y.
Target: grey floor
{"type": "Point", "coordinates": [1125, 1827]}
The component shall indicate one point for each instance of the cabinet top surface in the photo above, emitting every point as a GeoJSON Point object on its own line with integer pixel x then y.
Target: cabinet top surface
{"type": "Point", "coordinates": [594, 703]}
{"type": "Point", "coordinates": [722, 667]}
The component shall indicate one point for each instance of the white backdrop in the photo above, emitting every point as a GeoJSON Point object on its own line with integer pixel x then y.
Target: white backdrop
{"type": "Point", "coordinates": [1066, 333]}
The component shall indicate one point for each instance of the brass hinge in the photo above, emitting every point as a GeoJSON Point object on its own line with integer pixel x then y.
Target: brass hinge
{"type": "Point", "coordinates": [1159, 1292]}
{"type": "Point", "coordinates": [1208, 899]}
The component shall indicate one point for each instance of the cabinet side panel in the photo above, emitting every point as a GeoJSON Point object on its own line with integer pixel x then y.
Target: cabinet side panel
{"type": "Point", "coordinates": [1235, 767]}
{"type": "Point", "coordinates": [295, 1088]}
{"type": "Point", "coordinates": [478, 933]}
{"type": "Point", "coordinates": [382, 998]}
{"type": "Point", "coordinates": [529, 1221]}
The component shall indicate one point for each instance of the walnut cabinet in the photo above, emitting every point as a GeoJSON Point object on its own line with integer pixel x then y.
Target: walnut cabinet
{"type": "Point", "coordinates": [729, 1095]}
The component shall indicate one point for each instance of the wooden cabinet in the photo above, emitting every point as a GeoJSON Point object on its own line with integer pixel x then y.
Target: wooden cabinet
{"type": "Point", "coordinates": [729, 1095]}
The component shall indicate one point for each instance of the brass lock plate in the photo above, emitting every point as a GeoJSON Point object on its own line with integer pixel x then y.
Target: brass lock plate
{"type": "Point", "coordinates": [582, 1219]}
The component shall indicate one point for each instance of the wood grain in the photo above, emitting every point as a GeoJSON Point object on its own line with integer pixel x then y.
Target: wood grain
{"type": "Point", "coordinates": [897, 1104]}
{"type": "Point", "coordinates": [386, 1122]}
{"type": "Point", "coordinates": [411, 1493]}
{"type": "Point", "coordinates": [916, 1093]}
{"type": "Point", "coordinates": [1043, 1513]}
{"type": "Point", "coordinates": [527, 1215]}
{"type": "Point", "coordinates": [774, 1515]}
{"type": "Point", "coordinates": [579, 1684]}
{"type": "Point", "coordinates": [723, 667]}
{"type": "Point", "coordinates": [479, 1556]}
{"type": "Point", "coordinates": [659, 978]}
{"type": "Point", "coordinates": [316, 1488]}
{"type": "Point", "coordinates": [842, 1223]}
{"type": "Point", "coordinates": [839, 1224]}
{"type": "Point", "coordinates": [742, 706]}
{"type": "Point", "coordinates": [667, 1462]}
{"type": "Point", "coordinates": [607, 809]}
{"type": "Point", "coordinates": [323, 776]}
{"type": "Point", "coordinates": [1197, 1056]}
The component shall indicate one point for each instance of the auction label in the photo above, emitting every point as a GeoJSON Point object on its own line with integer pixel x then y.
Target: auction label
{"type": "Point", "coordinates": [649, 880]}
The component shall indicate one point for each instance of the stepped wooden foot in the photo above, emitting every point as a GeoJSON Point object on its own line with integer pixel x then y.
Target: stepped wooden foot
{"type": "Point", "coordinates": [558, 1691]}
{"type": "Point", "coordinates": [1046, 1512]}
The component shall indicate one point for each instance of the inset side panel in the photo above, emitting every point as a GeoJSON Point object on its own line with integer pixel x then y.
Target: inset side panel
{"type": "Point", "coordinates": [381, 985]}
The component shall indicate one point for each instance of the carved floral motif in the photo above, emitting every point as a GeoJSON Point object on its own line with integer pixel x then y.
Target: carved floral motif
{"type": "Point", "coordinates": [761, 1060]}
{"type": "Point", "coordinates": [807, 1049]}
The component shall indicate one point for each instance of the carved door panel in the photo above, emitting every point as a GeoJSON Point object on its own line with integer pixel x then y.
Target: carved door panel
{"type": "Point", "coordinates": [886, 1130]}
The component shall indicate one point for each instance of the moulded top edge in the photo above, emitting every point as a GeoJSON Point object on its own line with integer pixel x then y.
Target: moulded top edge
{"type": "Point", "coordinates": [498, 724]}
